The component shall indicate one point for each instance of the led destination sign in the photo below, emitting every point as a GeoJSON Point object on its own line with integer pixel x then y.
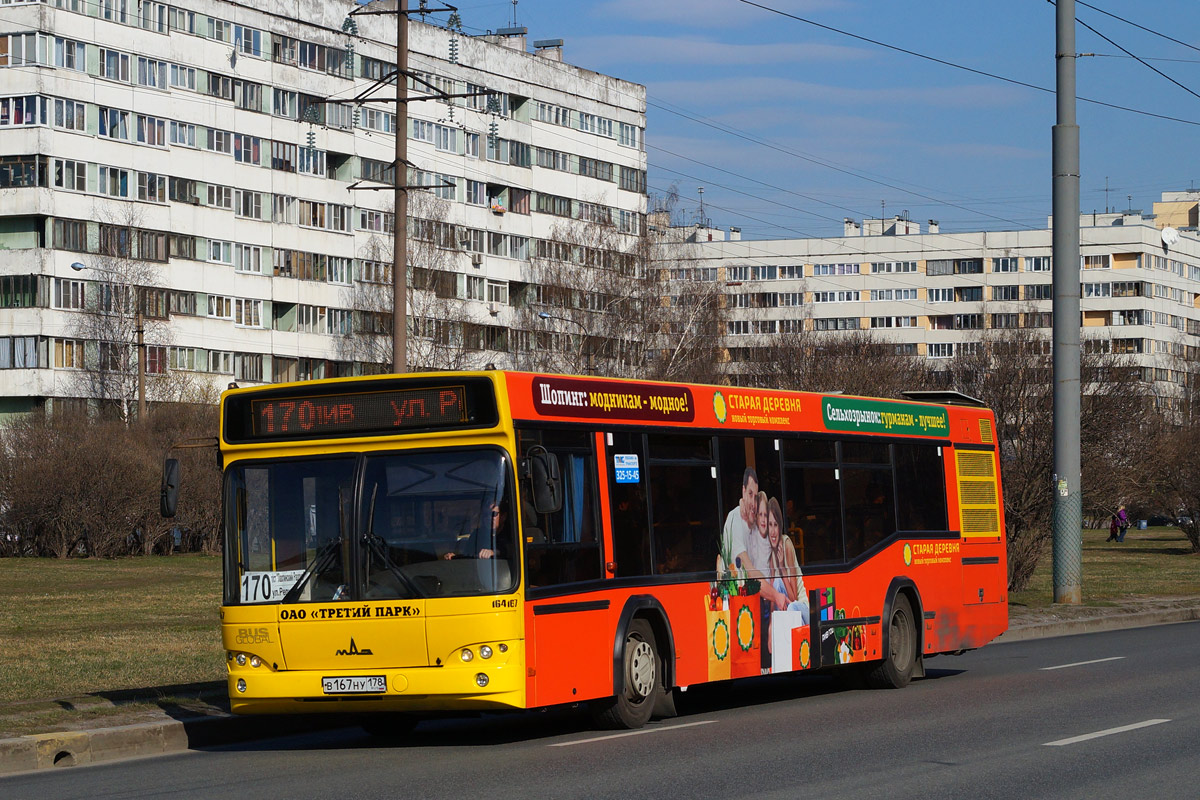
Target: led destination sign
{"type": "Point", "coordinates": [395, 409]}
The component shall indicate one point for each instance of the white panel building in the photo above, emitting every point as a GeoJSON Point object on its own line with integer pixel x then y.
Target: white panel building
{"type": "Point", "coordinates": [933, 293]}
{"type": "Point", "coordinates": [201, 156]}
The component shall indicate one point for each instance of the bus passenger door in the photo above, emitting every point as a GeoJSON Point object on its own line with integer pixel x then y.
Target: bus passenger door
{"type": "Point", "coordinates": [564, 558]}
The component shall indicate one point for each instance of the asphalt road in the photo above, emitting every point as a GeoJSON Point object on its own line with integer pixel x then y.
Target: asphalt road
{"type": "Point", "coordinates": [1107, 715]}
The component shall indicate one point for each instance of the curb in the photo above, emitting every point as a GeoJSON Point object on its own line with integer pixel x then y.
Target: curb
{"type": "Point", "coordinates": [95, 745]}
{"type": "Point", "coordinates": [74, 748]}
{"type": "Point", "coordinates": [1116, 622]}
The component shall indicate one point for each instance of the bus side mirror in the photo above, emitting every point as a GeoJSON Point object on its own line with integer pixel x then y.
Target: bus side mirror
{"type": "Point", "coordinates": [169, 495]}
{"type": "Point", "coordinates": [545, 481]}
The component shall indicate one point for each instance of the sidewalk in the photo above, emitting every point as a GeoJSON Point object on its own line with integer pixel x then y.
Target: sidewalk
{"type": "Point", "coordinates": [113, 725]}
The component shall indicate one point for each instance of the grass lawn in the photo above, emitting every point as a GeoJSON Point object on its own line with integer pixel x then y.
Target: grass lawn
{"type": "Point", "coordinates": [78, 626]}
{"type": "Point", "coordinates": [1156, 562]}
{"type": "Point", "coordinates": [83, 625]}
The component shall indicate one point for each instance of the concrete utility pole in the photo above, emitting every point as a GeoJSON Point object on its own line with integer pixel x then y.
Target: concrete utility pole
{"type": "Point", "coordinates": [400, 204]}
{"type": "Point", "coordinates": [1068, 501]}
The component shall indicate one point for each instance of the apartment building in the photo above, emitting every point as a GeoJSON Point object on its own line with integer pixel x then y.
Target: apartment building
{"type": "Point", "coordinates": [933, 294]}
{"type": "Point", "coordinates": [208, 163]}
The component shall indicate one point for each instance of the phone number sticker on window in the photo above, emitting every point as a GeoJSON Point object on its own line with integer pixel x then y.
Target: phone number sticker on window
{"type": "Point", "coordinates": [625, 467]}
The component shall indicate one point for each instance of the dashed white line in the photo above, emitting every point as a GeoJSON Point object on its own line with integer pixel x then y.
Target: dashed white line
{"type": "Point", "coordinates": [1108, 732]}
{"type": "Point", "coordinates": [1082, 663]}
{"type": "Point", "coordinates": [633, 733]}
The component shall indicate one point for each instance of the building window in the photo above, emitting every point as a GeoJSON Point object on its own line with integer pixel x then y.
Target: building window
{"type": "Point", "coordinates": [70, 175]}
{"type": "Point", "coordinates": [1004, 264]}
{"type": "Point", "coordinates": [70, 115]}
{"type": "Point", "coordinates": [1038, 263]}
{"type": "Point", "coordinates": [152, 188]}
{"type": "Point", "coordinates": [114, 123]}
{"type": "Point", "coordinates": [114, 65]}
{"type": "Point", "coordinates": [1006, 292]}
{"type": "Point", "coordinates": [68, 294]}
{"type": "Point", "coordinates": [1038, 291]}
{"type": "Point", "coordinates": [941, 349]}
{"type": "Point", "coordinates": [68, 354]}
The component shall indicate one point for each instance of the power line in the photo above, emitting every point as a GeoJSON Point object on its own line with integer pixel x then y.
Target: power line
{"type": "Point", "coordinates": [963, 67]}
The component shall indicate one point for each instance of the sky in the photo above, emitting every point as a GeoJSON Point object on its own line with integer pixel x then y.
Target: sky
{"type": "Point", "coordinates": [790, 127]}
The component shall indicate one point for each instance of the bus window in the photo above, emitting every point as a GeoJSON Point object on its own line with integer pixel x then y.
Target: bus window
{"type": "Point", "coordinates": [869, 504]}
{"type": "Point", "coordinates": [920, 488]}
{"type": "Point", "coordinates": [815, 518]}
{"type": "Point", "coordinates": [563, 547]}
{"type": "Point", "coordinates": [438, 524]}
{"type": "Point", "coordinates": [630, 515]}
{"type": "Point", "coordinates": [282, 518]}
{"type": "Point", "coordinates": [809, 451]}
{"type": "Point", "coordinates": [683, 503]}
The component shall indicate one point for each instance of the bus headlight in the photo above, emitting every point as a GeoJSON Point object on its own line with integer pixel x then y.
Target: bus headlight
{"type": "Point", "coordinates": [241, 684]}
{"type": "Point", "coordinates": [467, 655]}
{"type": "Point", "coordinates": [255, 661]}
{"type": "Point", "coordinates": [481, 679]}
{"type": "Point", "coordinates": [241, 659]}
{"type": "Point", "coordinates": [485, 651]}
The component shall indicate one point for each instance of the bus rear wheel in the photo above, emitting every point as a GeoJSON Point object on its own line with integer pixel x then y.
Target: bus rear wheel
{"type": "Point", "coordinates": [897, 667]}
{"type": "Point", "coordinates": [643, 670]}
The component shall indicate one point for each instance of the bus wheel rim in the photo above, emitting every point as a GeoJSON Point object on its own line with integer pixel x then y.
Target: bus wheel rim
{"type": "Point", "coordinates": [641, 669]}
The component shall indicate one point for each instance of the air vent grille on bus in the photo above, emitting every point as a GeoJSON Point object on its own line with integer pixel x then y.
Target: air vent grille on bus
{"type": "Point", "coordinates": [977, 493]}
{"type": "Point", "coordinates": [972, 464]}
{"type": "Point", "coordinates": [986, 434]}
{"type": "Point", "coordinates": [980, 521]}
{"type": "Point", "coordinates": [978, 500]}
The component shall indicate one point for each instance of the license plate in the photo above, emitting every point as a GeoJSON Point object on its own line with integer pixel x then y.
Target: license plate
{"type": "Point", "coordinates": [358, 685]}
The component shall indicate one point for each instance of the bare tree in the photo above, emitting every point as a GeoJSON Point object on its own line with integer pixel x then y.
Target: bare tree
{"type": "Point", "coordinates": [438, 318]}
{"type": "Point", "coordinates": [125, 294]}
{"type": "Point", "coordinates": [851, 362]}
{"type": "Point", "coordinates": [609, 302]}
{"type": "Point", "coordinates": [1010, 370]}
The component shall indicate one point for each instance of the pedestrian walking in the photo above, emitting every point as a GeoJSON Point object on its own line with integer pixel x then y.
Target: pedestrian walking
{"type": "Point", "coordinates": [1113, 528]}
{"type": "Point", "coordinates": [1122, 523]}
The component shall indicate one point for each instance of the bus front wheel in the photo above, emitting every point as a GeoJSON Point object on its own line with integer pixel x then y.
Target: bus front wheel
{"type": "Point", "coordinates": [897, 667]}
{"type": "Point", "coordinates": [643, 670]}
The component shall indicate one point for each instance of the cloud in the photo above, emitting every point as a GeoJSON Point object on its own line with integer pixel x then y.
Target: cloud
{"type": "Point", "coordinates": [705, 13]}
{"type": "Point", "coordinates": [690, 50]}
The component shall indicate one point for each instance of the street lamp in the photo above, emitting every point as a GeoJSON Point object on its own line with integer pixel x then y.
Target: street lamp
{"type": "Point", "coordinates": [591, 365]}
{"type": "Point", "coordinates": [139, 328]}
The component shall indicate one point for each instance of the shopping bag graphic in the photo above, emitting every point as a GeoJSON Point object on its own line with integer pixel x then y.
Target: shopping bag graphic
{"type": "Point", "coordinates": [784, 647]}
{"type": "Point", "coordinates": [747, 651]}
{"type": "Point", "coordinates": [720, 644]}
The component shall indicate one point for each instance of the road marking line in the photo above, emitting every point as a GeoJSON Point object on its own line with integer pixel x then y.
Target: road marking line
{"type": "Point", "coordinates": [1082, 663]}
{"type": "Point", "coordinates": [1109, 732]}
{"type": "Point", "coordinates": [633, 733]}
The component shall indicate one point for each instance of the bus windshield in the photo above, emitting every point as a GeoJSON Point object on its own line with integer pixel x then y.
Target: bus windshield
{"type": "Point", "coordinates": [428, 524]}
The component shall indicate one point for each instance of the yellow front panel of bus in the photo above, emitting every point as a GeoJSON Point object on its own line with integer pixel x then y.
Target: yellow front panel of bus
{"type": "Point", "coordinates": [332, 636]}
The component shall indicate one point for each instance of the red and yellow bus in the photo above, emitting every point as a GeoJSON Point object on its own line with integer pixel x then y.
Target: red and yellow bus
{"type": "Point", "coordinates": [502, 540]}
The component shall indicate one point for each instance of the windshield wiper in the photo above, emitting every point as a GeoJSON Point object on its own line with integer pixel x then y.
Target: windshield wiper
{"type": "Point", "coordinates": [379, 546]}
{"type": "Point", "coordinates": [319, 563]}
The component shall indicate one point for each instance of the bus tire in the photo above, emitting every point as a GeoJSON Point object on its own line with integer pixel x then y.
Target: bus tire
{"type": "Point", "coordinates": [897, 667]}
{"type": "Point", "coordinates": [643, 676]}
{"type": "Point", "coordinates": [389, 725]}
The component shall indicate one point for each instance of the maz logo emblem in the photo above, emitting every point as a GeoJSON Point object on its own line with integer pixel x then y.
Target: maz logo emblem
{"type": "Point", "coordinates": [353, 651]}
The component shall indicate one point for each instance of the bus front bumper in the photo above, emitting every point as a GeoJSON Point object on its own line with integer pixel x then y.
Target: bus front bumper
{"type": "Point", "coordinates": [266, 691]}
